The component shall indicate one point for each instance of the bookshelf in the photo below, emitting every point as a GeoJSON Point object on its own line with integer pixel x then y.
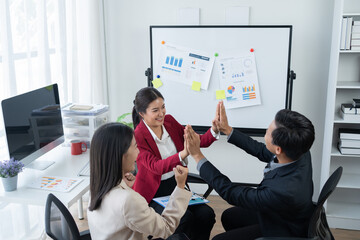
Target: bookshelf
{"type": "Point", "coordinates": [343, 206]}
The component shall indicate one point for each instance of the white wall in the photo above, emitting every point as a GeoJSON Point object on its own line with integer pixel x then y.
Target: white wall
{"type": "Point", "coordinates": [127, 37]}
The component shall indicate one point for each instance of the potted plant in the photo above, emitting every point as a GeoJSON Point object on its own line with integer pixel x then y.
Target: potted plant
{"type": "Point", "coordinates": [121, 119]}
{"type": "Point", "coordinates": [9, 170]}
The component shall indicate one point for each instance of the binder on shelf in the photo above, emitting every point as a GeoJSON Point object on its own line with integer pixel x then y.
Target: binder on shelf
{"type": "Point", "coordinates": [348, 108]}
{"type": "Point", "coordinates": [349, 133]}
{"type": "Point", "coordinates": [349, 143]}
{"type": "Point", "coordinates": [343, 34]}
{"type": "Point", "coordinates": [348, 33]}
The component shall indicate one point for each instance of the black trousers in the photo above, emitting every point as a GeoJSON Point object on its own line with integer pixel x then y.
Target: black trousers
{"type": "Point", "coordinates": [197, 221]}
{"type": "Point", "coordinates": [239, 224]}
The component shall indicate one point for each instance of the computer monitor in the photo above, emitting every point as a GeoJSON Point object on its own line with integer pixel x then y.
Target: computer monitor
{"type": "Point", "coordinates": [33, 125]}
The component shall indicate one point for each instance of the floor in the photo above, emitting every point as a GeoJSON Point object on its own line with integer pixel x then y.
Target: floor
{"type": "Point", "coordinates": [218, 204]}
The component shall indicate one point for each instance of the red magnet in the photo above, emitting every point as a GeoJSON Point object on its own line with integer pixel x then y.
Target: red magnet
{"type": "Point", "coordinates": [251, 50]}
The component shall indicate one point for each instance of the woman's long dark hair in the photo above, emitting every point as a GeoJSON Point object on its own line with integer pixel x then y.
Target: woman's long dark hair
{"type": "Point", "coordinates": [108, 145]}
{"type": "Point", "coordinates": [142, 100]}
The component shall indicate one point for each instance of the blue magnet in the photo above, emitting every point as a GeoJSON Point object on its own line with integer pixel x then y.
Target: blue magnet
{"type": "Point", "coordinates": [158, 76]}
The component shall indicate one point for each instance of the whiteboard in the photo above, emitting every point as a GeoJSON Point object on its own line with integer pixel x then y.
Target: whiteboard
{"type": "Point", "coordinates": [272, 48]}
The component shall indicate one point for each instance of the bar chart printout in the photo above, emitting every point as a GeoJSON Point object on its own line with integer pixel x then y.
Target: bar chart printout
{"type": "Point", "coordinates": [238, 76]}
{"type": "Point", "coordinates": [52, 183]}
{"type": "Point", "coordinates": [183, 65]}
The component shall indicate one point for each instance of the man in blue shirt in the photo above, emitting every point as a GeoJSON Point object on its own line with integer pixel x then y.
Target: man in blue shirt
{"type": "Point", "coordinates": [281, 205]}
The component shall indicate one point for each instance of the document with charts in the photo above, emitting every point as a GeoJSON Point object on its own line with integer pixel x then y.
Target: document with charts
{"type": "Point", "coordinates": [194, 200]}
{"type": "Point", "coordinates": [239, 79]}
{"type": "Point", "coordinates": [58, 184]}
{"type": "Point", "coordinates": [184, 65]}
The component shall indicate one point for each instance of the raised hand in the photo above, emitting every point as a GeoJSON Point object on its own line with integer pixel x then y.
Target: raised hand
{"type": "Point", "coordinates": [215, 122]}
{"type": "Point", "coordinates": [184, 153]}
{"type": "Point", "coordinates": [193, 143]}
{"type": "Point", "coordinates": [129, 179]}
{"type": "Point", "coordinates": [180, 175]}
{"type": "Point", "coordinates": [223, 124]}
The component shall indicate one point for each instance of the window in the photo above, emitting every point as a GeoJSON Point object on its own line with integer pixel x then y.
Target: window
{"type": "Point", "coordinates": [39, 42]}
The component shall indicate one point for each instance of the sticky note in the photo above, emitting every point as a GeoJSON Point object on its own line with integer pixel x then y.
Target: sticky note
{"type": "Point", "coordinates": [196, 86]}
{"type": "Point", "coordinates": [220, 94]}
{"type": "Point", "coordinates": [157, 82]}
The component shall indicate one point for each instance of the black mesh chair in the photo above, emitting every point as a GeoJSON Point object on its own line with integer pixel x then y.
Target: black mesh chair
{"type": "Point", "coordinates": [318, 227]}
{"type": "Point", "coordinates": [59, 223]}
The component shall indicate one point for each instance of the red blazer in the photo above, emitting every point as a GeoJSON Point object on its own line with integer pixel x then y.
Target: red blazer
{"type": "Point", "coordinates": [149, 162]}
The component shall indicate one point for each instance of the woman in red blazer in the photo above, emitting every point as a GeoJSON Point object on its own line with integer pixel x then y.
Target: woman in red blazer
{"type": "Point", "coordinates": [160, 139]}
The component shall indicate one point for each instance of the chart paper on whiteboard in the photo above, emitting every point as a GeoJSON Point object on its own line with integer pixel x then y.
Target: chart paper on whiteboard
{"type": "Point", "coordinates": [239, 79]}
{"type": "Point", "coordinates": [184, 65]}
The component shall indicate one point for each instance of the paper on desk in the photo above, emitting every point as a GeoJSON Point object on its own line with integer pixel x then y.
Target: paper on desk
{"type": "Point", "coordinates": [52, 183]}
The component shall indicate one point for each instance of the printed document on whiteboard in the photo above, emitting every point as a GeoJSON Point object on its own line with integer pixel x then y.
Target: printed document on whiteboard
{"type": "Point", "coordinates": [184, 65]}
{"type": "Point", "coordinates": [239, 79]}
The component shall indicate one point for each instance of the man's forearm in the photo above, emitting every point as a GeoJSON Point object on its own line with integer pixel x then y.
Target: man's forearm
{"type": "Point", "coordinates": [198, 156]}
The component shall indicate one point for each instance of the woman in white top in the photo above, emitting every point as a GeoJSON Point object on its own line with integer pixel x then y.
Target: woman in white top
{"type": "Point", "coordinates": [115, 210]}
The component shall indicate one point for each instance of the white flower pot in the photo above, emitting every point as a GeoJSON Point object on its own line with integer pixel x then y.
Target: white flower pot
{"type": "Point", "coordinates": [10, 183]}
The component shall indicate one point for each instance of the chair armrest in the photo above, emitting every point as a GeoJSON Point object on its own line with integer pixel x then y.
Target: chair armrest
{"type": "Point", "coordinates": [85, 235]}
{"type": "Point", "coordinates": [195, 178]}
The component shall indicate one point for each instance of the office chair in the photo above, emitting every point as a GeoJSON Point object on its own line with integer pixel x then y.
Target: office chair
{"type": "Point", "coordinates": [195, 178]}
{"type": "Point", "coordinates": [59, 224]}
{"type": "Point", "coordinates": [318, 226]}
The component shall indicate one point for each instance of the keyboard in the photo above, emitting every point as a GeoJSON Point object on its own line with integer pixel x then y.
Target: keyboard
{"type": "Point", "coordinates": [40, 165]}
{"type": "Point", "coordinates": [85, 170]}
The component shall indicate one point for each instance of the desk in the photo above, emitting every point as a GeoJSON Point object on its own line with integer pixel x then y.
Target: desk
{"type": "Point", "coordinates": [66, 165]}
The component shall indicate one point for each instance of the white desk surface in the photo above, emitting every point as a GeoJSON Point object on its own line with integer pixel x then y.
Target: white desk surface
{"type": "Point", "coordinates": [66, 165]}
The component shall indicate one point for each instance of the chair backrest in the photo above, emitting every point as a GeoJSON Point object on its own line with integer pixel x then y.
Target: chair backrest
{"type": "Point", "coordinates": [318, 224]}
{"type": "Point", "coordinates": [59, 223]}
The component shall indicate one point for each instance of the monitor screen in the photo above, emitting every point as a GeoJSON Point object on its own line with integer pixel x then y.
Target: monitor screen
{"type": "Point", "coordinates": [33, 123]}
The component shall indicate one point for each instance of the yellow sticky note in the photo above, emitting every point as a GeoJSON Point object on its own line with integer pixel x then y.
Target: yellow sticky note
{"type": "Point", "coordinates": [220, 94]}
{"type": "Point", "coordinates": [196, 86]}
{"type": "Point", "coordinates": [157, 82]}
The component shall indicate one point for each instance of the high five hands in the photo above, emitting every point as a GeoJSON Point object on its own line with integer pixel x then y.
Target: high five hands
{"type": "Point", "coordinates": [192, 139]}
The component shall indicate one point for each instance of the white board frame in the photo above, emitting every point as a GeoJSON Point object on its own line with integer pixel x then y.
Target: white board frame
{"type": "Point", "coordinates": [272, 46]}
